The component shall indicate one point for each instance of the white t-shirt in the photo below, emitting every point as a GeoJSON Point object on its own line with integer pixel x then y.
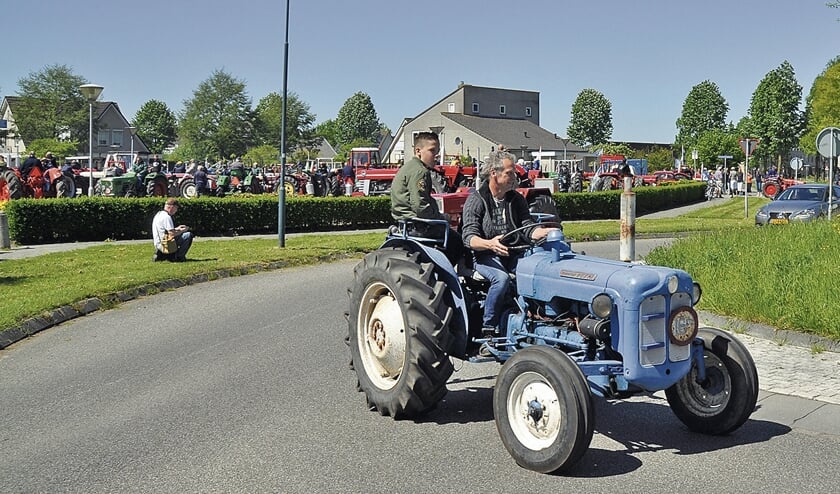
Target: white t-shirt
{"type": "Point", "coordinates": [160, 224]}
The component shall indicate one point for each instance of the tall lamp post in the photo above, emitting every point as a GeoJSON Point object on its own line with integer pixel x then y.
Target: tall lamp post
{"type": "Point", "coordinates": [131, 130]}
{"type": "Point", "coordinates": [91, 92]}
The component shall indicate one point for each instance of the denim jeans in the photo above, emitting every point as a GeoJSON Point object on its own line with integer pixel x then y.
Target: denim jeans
{"type": "Point", "coordinates": [184, 242]}
{"type": "Point", "coordinates": [497, 271]}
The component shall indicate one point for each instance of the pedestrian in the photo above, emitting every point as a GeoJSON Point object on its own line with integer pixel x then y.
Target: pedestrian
{"type": "Point", "coordinates": [491, 211]}
{"type": "Point", "coordinates": [348, 176]}
{"type": "Point", "coordinates": [200, 180]}
{"type": "Point", "coordinates": [162, 225]}
{"type": "Point", "coordinates": [733, 182]}
{"type": "Point", "coordinates": [411, 195]}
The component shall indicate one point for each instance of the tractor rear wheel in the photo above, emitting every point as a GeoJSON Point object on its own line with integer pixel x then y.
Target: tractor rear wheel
{"type": "Point", "coordinates": [543, 408]}
{"type": "Point", "coordinates": [727, 397]}
{"type": "Point", "coordinates": [187, 189]}
{"type": "Point", "coordinates": [64, 187]}
{"type": "Point", "coordinates": [545, 204]}
{"type": "Point", "coordinates": [576, 184]}
{"type": "Point", "coordinates": [12, 188]}
{"type": "Point", "coordinates": [157, 188]}
{"type": "Point", "coordinates": [771, 189]}
{"type": "Point", "coordinates": [399, 333]}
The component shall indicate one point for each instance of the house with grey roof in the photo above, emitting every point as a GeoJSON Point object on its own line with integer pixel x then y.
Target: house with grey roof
{"type": "Point", "coordinates": [473, 121]}
{"type": "Point", "coordinates": [112, 132]}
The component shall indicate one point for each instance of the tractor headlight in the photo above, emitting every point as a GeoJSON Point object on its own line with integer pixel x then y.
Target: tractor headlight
{"type": "Point", "coordinates": [601, 305]}
{"type": "Point", "coordinates": [696, 293]}
{"type": "Point", "coordinates": [673, 284]}
{"type": "Point", "coordinates": [682, 326]}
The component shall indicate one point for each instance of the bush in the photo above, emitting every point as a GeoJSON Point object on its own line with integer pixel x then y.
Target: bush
{"type": "Point", "coordinates": [36, 221]}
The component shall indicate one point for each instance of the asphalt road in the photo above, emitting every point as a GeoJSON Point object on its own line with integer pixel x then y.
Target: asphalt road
{"type": "Point", "coordinates": [242, 385]}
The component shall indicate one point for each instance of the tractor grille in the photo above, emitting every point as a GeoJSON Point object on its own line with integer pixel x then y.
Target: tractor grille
{"type": "Point", "coordinates": [654, 344]}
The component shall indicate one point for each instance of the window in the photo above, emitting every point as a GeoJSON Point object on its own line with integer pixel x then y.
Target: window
{"type": "Point", "coordinates": [103, 137]}
{"type": "Point", "coordinates": [527, 111]}
{"type": "Point", "coordinates": [117, 137]}
{"type": "Point", "coordinates": [450, 107]}
{"type": "Point", "coordinates": [475, 107]}
{"type": "Point", "coordinates": [502, 110]}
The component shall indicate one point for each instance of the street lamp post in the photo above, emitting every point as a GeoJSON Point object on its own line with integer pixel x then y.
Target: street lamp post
{"type": "Point", "coordinates": [91, 92]}
{"type": "Point", "coordinates": [131, 130]}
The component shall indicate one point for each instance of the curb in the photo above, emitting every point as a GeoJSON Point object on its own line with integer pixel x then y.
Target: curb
{"type": "Point", "coordinates": [769, 333]}
{"type": "Point", "coordinates": [65, 313]}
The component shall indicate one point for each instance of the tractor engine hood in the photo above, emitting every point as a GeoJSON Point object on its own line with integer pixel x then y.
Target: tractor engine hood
{"type": "Point", "coordinates": [556, 271]}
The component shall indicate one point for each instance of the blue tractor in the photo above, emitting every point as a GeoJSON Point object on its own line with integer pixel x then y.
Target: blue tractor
{"type": "Point", "coordinates": [576, 326]}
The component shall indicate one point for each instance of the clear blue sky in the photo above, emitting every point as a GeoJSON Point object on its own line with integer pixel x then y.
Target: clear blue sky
{"type": "Point", "coordinates": [644, 55]}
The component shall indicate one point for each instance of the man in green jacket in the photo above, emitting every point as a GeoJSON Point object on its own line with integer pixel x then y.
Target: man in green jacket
{"type": "Point", "coordinates": [411, 193]}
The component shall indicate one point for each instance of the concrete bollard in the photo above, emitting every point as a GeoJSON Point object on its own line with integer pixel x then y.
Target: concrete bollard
{"type": "Point", "coordinates": [627, 235]}
{"type": "Point", "coordinates": [5, 241]}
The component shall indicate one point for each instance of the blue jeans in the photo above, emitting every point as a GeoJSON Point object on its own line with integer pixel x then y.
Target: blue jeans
{"type": "Point", "coordinates": [497, 271]}
{"type": "Point", "coordinates": [184, 242]}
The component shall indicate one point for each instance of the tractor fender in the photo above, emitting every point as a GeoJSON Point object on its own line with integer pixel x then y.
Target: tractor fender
{"type": "Point", "coordinates": [459, 324]}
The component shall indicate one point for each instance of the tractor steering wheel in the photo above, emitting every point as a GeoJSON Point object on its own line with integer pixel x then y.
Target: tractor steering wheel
{"type": "Point", "coordinates": [516, 241]}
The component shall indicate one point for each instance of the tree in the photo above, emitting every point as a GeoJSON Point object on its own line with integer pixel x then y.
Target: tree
{"type": "Point", "coordinates": [264, 155]}
{"type": "Point", "coordinates": [718, 142]}
{"type": "Point", "coordinates": [51, 106]}
{"type": "Point", "coordinates": [591, 119]}
{"type": "Point", "coordinates": [156, 125]}
{"type": "Point", "coordinates": [59, 149]}
{"type": "Point", "coordinates": [217, 121]}
{"type": "Point", "coordinates": [822, 106]}
{"type": "Point", "coordinates": [300, 131]}
{"type": "Point", "coordinates": [357, 120]}
{"type": "Point", "coordinates": [704, 109]}
{"type": "Point", "coordinates": [328, 129]}
{"type": "Point", "coordinates": [774, 112]}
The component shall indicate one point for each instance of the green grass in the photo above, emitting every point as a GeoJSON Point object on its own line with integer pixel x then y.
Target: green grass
{"type": "Point", "coordinates": [31, 286]}
{"type": "Point", "coordinates": [785, 277]}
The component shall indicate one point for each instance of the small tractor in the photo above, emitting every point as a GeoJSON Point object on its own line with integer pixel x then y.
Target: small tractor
{"type": "Point", "coordinates": [575, 326]}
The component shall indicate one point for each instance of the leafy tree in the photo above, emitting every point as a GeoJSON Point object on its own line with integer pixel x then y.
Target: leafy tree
{"type": "Point", "coordinates": [591, 120]}
{"type": "Point", "coordinates": [660, 158]}
{"type": "Point", "coordinates": [617, 148]}
{"type": "Point", "coordinates": [822, 106]}
{"type": "Point", "coordinates": [217, 121]}
{"type": "Point", "coordinates": [264, 155]}
{"type": "Point", "coordinates": [51, 105]}
{"type": "Point", "coordinates": [357, 120]}
{"type": "Point", "coordinates": [156, 125]}
{"type": "Point", "coordinates": [718, 142]}
{"type": "Point", "coordinates": [704, 109]}
{"type": "Point", "coordinates": [328, 129]}
{"type": "Point", "coordinates": [59, 149]}
{"type": "Point", "coordinates": [300, 131]}
{"type": "Point", "coordinates": [774, 112]}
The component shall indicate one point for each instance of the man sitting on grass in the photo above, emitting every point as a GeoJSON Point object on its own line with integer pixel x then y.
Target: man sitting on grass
{"type": "Point", "coordinates": [161, 224]}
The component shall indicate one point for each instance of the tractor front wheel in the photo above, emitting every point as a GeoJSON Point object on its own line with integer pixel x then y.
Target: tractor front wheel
{"type": "Point", "coordinates": [725, 399]}
{"type": "Point", "coordinates": [399, 333]}
{"type": "Point", "coordinates": [544, 410]}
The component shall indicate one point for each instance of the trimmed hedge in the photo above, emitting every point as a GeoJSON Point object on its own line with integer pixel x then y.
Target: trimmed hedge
{"type": "Point", "coordinates": [36, 221]}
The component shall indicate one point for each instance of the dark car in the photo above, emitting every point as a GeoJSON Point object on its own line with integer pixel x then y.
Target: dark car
{"type": "Point", "coordinates": [801, 203]}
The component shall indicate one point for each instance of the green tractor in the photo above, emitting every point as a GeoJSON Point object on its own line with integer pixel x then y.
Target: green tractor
{"type": "Point", "coordinates": [134, 184]}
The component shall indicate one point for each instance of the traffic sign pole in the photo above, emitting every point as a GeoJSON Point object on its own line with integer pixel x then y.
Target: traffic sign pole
{"type": "Point", "coordinates": [748, 145]}
{"type": "Point", "coordinates": [827, 146]}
